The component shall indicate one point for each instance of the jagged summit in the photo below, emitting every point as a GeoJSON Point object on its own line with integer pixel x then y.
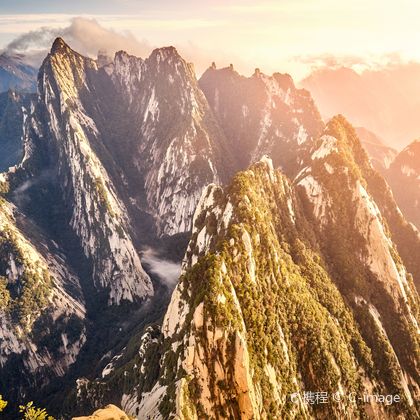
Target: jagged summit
{"type": "Point", "coordinates": [168, 59]}
{"type": "Point", "coordinates": [338, 158]}
{"type": "Point", "coordinates": [266, 160]}
{"type": "Point", "coordinates": [67, 66]}
{"type": "Point", "coordinates": [340, 127]}
{"type": "Point", "coordinates": [262, 115]}
{"type": "Point", "coordinates": [226, 71]}
{"type": "Point", "coordinates": [122, 59]}
{"type": "Point", "coordinates": [285, 80]}
{"type": "Point", "coordinates": [166, 51]}
{"type": "Point", "coordinates": [165, 60]}
{"type": "Point", "coordinates": [59, 45]}
{"type": "Point", "coordinates": [122, 53]}
{"type": "Point", "coordinates": [103, 229]}
{"type": "Point", "coordinates": [157, 55]}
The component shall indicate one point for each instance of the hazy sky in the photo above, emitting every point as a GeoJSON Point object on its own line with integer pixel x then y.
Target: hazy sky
{"type": "Point", "coordinates": [286, 35]}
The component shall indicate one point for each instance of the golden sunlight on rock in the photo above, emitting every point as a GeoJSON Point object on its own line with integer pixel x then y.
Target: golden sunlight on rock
{"type": "Point", "coordinates": [110, 412]}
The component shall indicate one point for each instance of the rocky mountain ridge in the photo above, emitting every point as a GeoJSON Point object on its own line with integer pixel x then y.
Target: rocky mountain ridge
{"type": "Point", "coordinates": [42, 305]}
{"type": "Point", "coordinates": [99, 218]}
{"type": "Point", "coordinates": [281, 265]}
{"type": "Point", "coordinates": [264, 287]}
{"type": "Point", "coordinates": [234, 312]}
{"type": "Point", "coordinates": [262, 115]}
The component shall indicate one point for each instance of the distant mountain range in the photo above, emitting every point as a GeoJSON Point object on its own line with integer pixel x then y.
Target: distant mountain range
{"type": "Point", "coordinates": [385, 101]}
{"type": "Point", "coordinates": [380, 154]}
{"type": "Point", "coordinates": [16, 74]}
{"type": "Point", "coordinates": [404, 179]}
{"type": "Point", "coordinates": [298, 270]}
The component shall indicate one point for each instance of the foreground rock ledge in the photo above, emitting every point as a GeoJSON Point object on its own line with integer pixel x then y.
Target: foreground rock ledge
{"type": "Point", "coordinates": [110, 412]}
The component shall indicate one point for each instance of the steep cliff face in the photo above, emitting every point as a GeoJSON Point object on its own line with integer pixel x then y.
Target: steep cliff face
{"type": "Point", "coordinates": [287, 288]}
{"type": "Point", "coordinates": [42, 312]}
{"type": "Point", "coordinates": [259, 298]}
{"type": "Point", "coordinates": [358, 222]}
{"type": "Point", "coordinates": [148, 124]}
{"type": "Point", "coordinates": [175, 145]}
{"type": "Point", "coordinates": [98, 217]}
{"type": "Point", "coordinates": [403, 234]}
{"type": "Point", "coordinates": [11, 128]}
{"type": "Point", "coordinates": [294, 282]}
{"type": "Point", "coordinates": [108, 154]}
{"type": "Point", "coordinates": [262, 115]}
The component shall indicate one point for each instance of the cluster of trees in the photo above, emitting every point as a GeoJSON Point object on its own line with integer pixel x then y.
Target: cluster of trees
{"type": "Point", "coordinates": [289, 302]}
{"type": "Point", "coordinates": [28, 411]}
{"type": "Point", "coordinates": [296, 287]}
{"type": "Point", "coordinates": [29, 294]}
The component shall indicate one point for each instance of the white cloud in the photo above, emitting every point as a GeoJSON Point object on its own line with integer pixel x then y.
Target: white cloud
{"type": "Point", "coordinates": [88, 36]}
{"type": "Point", "coordinates": [167, 271]}
{"type": "Point", "coordinates": [266, 34]}
{"type": "Point", "coordinates": [85, 35]}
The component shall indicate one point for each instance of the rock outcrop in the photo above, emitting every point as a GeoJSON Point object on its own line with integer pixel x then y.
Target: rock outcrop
{"type": "Point", "coordinates": [110, 412]}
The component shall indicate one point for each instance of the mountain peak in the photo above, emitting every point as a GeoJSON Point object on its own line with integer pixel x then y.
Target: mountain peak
{"type": "Point", "coordinates": [165, 53]}
{"type": "Point", "coordinates": [59, 45]}
{"type": "Point", "coordinates": [266, 160]}
{"type": "Point", "coordinates": [285, 80]}
{"type": "Point", "coordinates": [347, 142]}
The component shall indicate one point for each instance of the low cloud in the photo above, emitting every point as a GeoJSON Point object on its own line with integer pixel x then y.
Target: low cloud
{"type": "Point", "coordinates": [330, 60]}
{"type": "Point", "coordinates": [84, 35]}
{"type": "Point", "coordinates": [20, 194]}
{"type": "Point", "coordinates": [356, 62]}
{"type": "Point", "coordinates": [87, 36]}
{"type": "Point", "coordinates": [167, 271]}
